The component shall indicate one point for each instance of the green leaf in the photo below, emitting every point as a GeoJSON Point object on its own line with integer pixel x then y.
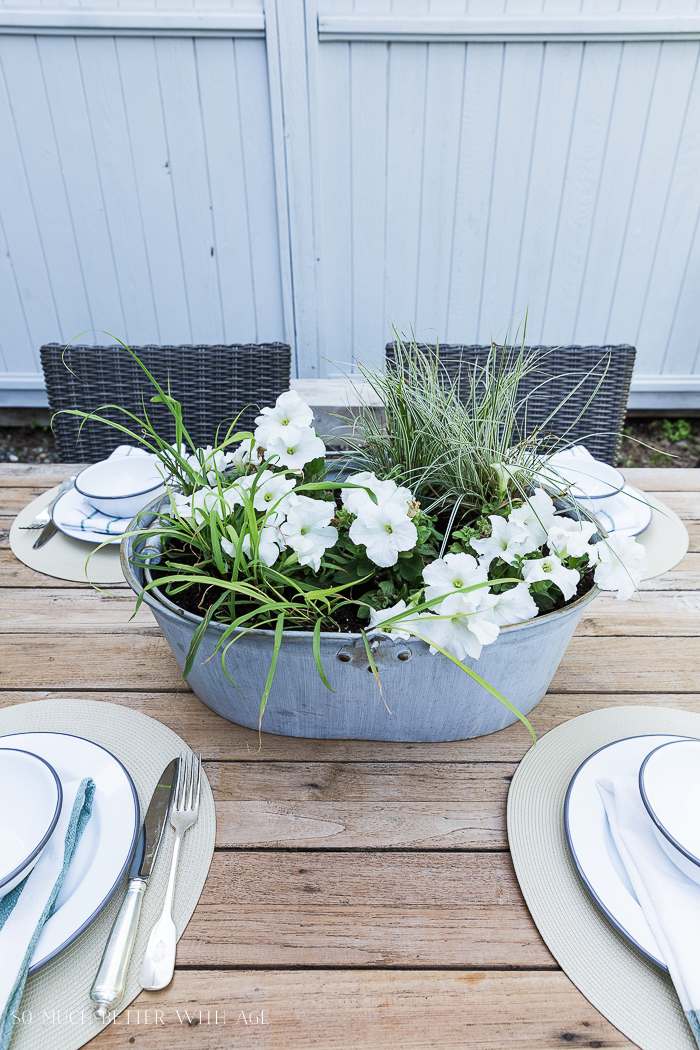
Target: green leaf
{"type": "Point", "coordinates": [273, 664]}
{"type": "Point", "coordinates": [317, 655]}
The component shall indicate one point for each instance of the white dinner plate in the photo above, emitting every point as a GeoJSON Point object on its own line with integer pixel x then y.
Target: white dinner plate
{"type": "Point", "coordinates": [106, 846]}
{"type": "Point", "coordinates": [591, 844]}
{"type": "Point", "coordinates": [627, 513]}
{"type": "Point", "coordinates": [68, 501]}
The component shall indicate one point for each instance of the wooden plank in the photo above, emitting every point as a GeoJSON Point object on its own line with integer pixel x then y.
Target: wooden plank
{"type": "Point", "coordinates": [366, 1010]}
{"type": "Point", "coordinates": [260, 194]}
{"type": "Point", "coordinates": [445, 825]}
{"type": "Point", "coordinates": [36, 475]}
{"type": "Point", "coordinates": [220, 740]}
{"type": "Point", "coordinates": [14, 573]}
{"type": "Point", "coordinates": [647, 214]}
{"type": "Point", "coordinates": [665, 479]}
{"type": "Point", "coordinates": [517, 118]}
{"type": "Point", "coordinates": [111, 141]}
{"type": "Point", "coordinates": [313, 908]}
{"type": "Point", "coordinates": [648, 613]}
{"type": "Point", "coordinates": [624, 138]}
{"type": "Point", "coordinates": [578, 196]}
{"type": "Point", "coordinates": [116, 661]}
{"type": "Point", "coordinates": [144, 661]}
{"type": "Point", "coordinates": [59, 610]}
{"type": "Point", "coordinates": [355, 805]}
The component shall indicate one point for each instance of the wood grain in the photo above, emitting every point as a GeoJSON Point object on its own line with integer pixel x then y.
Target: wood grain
{"type": "Point", "coordinates": [129, 662]}
{"type": "Point", "coordinates": [313, 908]}
{"type": "Point", "coordinates": [363, 1010]}
{"type": "Point", "coordinates": [350, 805]}
{"type": "Point", "coordinates": [219, 740]}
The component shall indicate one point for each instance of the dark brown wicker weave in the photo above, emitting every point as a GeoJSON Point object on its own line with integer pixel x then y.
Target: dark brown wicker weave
{"type": "Point", "coordinates": [213, 384]}
{"type": "Point", "coordinates": [558, 371]}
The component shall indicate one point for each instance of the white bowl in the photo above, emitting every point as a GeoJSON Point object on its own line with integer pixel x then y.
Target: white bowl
{"type": "Point", "coordinates": [121, 486]}
{"type": "Point", "coordinates": [589, 478]}
{"type": "Point", "coordinates": [31, 796]}
{"type": "Point", "coordinates": [669, 783]}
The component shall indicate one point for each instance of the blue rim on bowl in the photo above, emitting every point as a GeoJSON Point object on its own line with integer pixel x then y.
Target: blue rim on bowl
{"type": "Point", "coordinates": [650, 809]}
{"type": "Point", "coordinates": [54, 819]}
{"type": "Point", "coordinates": [121, 496]}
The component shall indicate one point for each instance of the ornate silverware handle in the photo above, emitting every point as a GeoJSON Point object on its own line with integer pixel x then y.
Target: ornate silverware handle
{"type": "Point", "coordinates": [108, 986]}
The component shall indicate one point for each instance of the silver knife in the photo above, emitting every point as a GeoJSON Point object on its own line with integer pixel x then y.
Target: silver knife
{"type": "Point", "coordinates": [50, 528]}
{"type": "Point", "coordinates": [108, 986]}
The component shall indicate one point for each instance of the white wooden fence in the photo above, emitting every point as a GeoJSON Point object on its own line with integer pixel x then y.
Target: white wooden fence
{"type": "Point", "coordinates": [312, 170]}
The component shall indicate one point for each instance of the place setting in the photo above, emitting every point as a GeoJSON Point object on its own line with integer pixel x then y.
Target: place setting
{"type": "Point", "coordinates": [602, 825]}
{"type": "Point", "coordinates": [601, 490]}
{"type": "Point", "coordinates": [63, 532]}
{"type": "Point", "coordinates": [103, 855]}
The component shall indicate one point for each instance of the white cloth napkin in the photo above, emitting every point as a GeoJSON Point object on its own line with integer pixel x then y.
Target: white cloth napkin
{"type": "Point", "coordinates": [669, 899]}
{"type": "Point", "coordinates": [83, 515]}
{"type": "Point", "coordinates": [25, 909]}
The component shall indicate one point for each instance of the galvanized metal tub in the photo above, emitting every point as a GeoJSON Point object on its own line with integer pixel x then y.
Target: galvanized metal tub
{"type": "Point", "coordinates": [429, 698]}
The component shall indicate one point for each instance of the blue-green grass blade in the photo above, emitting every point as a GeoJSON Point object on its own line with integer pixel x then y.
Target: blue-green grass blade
{"type": "Point", "coordinates": [317, 656]}
{"type": "Point", "coordinates": [279, 628]}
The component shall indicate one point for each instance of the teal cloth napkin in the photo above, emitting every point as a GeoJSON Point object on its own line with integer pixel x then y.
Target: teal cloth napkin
{"type": "Point", "coordinates": [25, 909]}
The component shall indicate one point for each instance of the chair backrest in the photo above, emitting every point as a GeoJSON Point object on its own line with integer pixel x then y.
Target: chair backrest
{"type": "Point", "coordinates": [213, 384]}
{"type": "Point", "coordinates": [557, 372]}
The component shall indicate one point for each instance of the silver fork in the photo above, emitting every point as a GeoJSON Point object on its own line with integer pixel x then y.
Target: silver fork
{"type": "Point", "coordinates": [159, 960]}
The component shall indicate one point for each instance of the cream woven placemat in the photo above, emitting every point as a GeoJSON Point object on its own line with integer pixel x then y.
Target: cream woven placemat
{"type": "Point", "coordinates": [62, 557]}
{"type": "Point", "coordinates": [637, 997]}
{"type": "Point", "coordinates": [665, 540]}
{"type": "Point", "coordinates": [145, 747]}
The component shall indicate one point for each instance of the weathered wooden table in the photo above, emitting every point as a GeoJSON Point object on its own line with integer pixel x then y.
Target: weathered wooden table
{"type": "Point", "coordinates": [361, 894]}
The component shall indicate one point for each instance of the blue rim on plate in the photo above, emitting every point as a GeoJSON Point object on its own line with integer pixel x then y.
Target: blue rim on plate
{"type": "Point", "coordinates": [577, 864]}
{"type": "Point", "coordinates": [84, 535]}
{"type": "Point", "coordinates": [649, 808]}
{"type": "Point", "coordinates": [54, 819]}
{"type": "Point", "coordinates": [113, 889]}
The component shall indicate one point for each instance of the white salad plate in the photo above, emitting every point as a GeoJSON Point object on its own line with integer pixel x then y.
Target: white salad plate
{"type": "Point", "coordinates": [106, 846]}
{"type": "Point", "coordinates": [627, 513]}
{"type": "Point", "coordinates": [591, 844]}
{"type": "Point", "coordinates": [67, 502]}
{"type": "Point", "coordinates": [669, 783]}
{"type": "Point", "coordinates": [35, 796]}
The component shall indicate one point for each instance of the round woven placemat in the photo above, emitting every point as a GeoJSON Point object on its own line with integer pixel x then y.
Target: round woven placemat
{"type": "Point", "coordinates": [637, 997]}
{"type": "Point", "coordinates": [56, 1005]}
{"type": "Point", "coordinates": [665, 540]}
{"type": "Point", "coordinates": [62, 557]}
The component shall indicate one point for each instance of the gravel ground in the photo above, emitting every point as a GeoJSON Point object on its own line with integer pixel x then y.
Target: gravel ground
{"type": "Point", "coordinates": [675, 443]}
{"type": "Point", "coordinates": [27, 445]}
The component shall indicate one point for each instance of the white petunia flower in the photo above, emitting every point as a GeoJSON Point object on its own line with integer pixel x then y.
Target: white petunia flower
{"type": "Point", "coordinates": [284, 422]}
{"type": "Point", "coordinates": [385, 491]}
{"type": "Point", "coordinates": [621, 562]}
{"type": "Point", "coordinates": [385, 530]}
{"type": "Point", "coordinates": [514, 606]}
{"type": "Point", "coordinates": [469, 624]}
{"type": "Point", "coordinates": [551, 568]}
{"type": "Point", "coordinates": [295, 452]}
{"type": "Point", "coordinates": [569, 538]}
{"type": "Point", "coordinates": [269, 546]}
{"type": "Point", "coordinates": [445, 575]}
{"type": "Point", "coordinates": [537, 516]}
{"type": "Point", "coordinates": [378, 616]}
{"type": "Point", "coordinates": [271, 492]}
{"type": "Point", "coordinates": [198, 506]}
{"type": "Point", "coordinates": [307, 530]}
{"type": "Point", "coordinates": [241, 456]}
{"type": "Point", "coordinates": [507, 539]}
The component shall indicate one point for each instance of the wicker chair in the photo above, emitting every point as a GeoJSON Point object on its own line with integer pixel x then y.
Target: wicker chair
{"type": "Point", "coordinates": [558, 371]}
{"type": "Point", "coordinates": [213, 384]}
